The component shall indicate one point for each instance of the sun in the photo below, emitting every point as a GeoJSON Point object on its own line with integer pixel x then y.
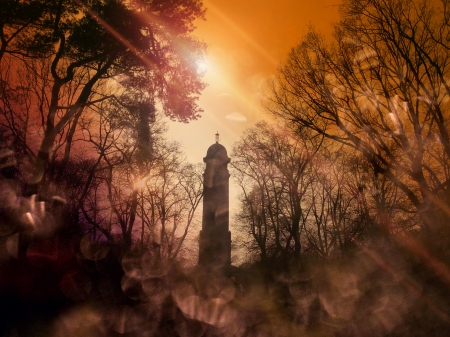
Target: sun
{"type": "Point", "coordinates": [202, 66]}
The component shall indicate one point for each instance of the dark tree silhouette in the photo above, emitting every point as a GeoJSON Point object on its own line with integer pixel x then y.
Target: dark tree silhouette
{"type": "Point", "coordinates": [65, 56]}
{"type": "Point", "coordinates": [381, 89]}
{"type": "Point", "coordinates": [305, 196]}
{"type": "Point", "coordinates": [272, 169]}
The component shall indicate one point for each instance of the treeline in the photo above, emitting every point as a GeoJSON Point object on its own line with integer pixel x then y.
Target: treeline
{"type": "Point", "coordinates": [346, 194]}
{"type": "Point", "coordinates": [362, 144]}
{"type": "Point", "coordinates": [307, 197]}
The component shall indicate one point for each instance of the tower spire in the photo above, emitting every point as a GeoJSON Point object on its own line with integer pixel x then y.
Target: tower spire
{"type": "Point", "coordinates": [217, 137]}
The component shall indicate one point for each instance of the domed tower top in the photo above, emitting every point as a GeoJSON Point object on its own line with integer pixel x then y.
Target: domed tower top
{"type": "Point", "coordinates": [217, 151]}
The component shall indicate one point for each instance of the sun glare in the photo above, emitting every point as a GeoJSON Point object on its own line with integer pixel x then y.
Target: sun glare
{"type": "Point", "coordinates": [202, 66]}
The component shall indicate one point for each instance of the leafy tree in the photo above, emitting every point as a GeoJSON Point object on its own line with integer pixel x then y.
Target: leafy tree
{"type": "Point", "coordinates": [74, 51]}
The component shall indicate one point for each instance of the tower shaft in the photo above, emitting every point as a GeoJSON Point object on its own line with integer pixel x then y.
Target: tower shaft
{"type": "Point", "coordinates": [215, 237]}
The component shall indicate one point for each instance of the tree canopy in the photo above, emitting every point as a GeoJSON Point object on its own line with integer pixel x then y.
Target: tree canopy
{"type": "Point", "coordinates": [66, 56]}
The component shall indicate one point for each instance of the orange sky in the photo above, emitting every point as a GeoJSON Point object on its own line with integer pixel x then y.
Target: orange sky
{"type": "Point", "coordinates": [247, 40]}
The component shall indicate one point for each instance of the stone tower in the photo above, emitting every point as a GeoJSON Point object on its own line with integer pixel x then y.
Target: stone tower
{"type": "Point", "coordinates": [215, 237]}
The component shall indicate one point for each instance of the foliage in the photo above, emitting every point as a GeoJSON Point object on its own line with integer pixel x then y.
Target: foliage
{"type": "Point", "coordinates": [65, 57]}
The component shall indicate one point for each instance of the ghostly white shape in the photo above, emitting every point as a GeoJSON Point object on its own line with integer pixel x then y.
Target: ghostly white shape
{"type": "Point", "coordinates": [236, 116]}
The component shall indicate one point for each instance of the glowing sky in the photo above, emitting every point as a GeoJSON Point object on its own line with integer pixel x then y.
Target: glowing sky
{"type": "Point", "coordinates": [247, 40]}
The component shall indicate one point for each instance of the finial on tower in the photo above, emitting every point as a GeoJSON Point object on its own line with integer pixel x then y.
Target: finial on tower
{"type": "Point", "coordinates": [217, 137]}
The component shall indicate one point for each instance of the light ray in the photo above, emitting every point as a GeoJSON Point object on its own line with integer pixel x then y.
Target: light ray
{"type": "Point", "coordinates": [149, 62]}
{"type": "Point", "coordinates": [234, 27]}
{"type": "Point", "coordinates": [231, 90]}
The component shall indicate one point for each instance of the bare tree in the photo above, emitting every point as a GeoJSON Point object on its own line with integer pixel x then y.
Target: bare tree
{"type": "Point", "coordinates": [173, 192]}
{"type": "Point", "coordinates": [147, 195]}
{"type": "Point", "coordinates": [306, 196]}
{"type": "Point", "coordinates": [271, 168]}
{"type": "Point", "coordinates": [341, 212]}
{"type": "Point", "coordinates": [381, 89]}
